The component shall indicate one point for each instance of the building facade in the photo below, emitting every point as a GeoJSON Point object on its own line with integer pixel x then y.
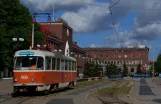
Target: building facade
{"type": "Point", "coordinates": [60, 36]}
{"type": "Point", "coordinates": [130, 56]}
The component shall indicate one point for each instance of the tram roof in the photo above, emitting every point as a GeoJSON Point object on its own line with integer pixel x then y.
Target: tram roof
{"type": "Point", "coordinates": [42, 53]}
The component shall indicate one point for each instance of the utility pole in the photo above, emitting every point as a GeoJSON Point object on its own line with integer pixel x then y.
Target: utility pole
{"type": "Point", "coordinates": [33, 35]}
{"type": "Point", "coordinates": [153, 66]}
{"type": "Point", "coordinates": [53, 10]}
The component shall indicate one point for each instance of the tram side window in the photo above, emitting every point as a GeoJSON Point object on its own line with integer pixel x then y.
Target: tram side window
{"type": "Point", "coordinates": [70, 65]}
{"type": "Point", "coordinates": [73, 66]}
{"type": "Point", "coordinates": [58, 64]}
{"type": "Point", "coordinates": [62, 65]}
{"type": "Point", "coordinates": [66, 65]}
{"type": "Point", "coordinates": [48, 63]}
{"type": "Point", "coordinates": [40, 63]}
{"type": "Point", "coordinates": [53, 64]}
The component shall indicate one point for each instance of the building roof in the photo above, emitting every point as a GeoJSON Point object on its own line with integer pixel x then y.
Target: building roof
{"type": "Point", "coordinates": [77, 48]}
{"type": "Point", "coordinates": [123, 48]}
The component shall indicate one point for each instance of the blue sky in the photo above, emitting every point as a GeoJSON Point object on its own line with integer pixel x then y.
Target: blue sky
{"type": "Point", "coordinates": [135, 21]}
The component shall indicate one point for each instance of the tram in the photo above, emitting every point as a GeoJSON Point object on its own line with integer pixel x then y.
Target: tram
{"type": "Point", "coordinates": [43, 71]}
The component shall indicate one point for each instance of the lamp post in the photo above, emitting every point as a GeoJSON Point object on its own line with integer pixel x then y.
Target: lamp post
{"type": "Point", "coordinates": [20, 39]}
{"type": "Point", "coordinates": [15, 40]}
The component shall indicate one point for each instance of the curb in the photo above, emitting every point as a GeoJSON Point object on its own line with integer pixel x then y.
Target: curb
{"type": "Point", "coordinates": [88, 95]}
{"type": "Point", "coordinates": [131, 88]}
{"type": "Point", "coordinates": [134, 97]}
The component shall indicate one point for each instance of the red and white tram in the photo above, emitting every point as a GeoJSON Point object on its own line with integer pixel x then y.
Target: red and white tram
{"type": "Point", "coordinates": [37, 70]}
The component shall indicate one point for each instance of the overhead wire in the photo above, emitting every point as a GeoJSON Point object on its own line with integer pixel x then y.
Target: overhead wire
{"type": "Point", "coordinates": [40, 11]}
{"type": "Point", "coordinates": [113, 6]}
{"type": "Point", "coordinates": [113, 23]}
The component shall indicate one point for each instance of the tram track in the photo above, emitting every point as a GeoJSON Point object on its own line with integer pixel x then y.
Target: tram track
{"type": "Point", "coordinates": [24, 97]}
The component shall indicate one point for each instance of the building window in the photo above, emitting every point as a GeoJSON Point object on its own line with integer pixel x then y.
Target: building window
{"type": "Point", "coordinates": [67, 32]}
{"type": "Point", "coordinates": [119, 56]}
{"type": "Point", "coordinates": [132, 69]}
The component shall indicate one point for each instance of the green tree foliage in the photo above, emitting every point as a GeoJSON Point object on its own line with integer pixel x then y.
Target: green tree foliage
{"type": "Point", "coordinates": [125, 69]}
{"type": "Point", "coordinates": [139, 69]}
{"type": "Point", "coordinates": [39, 36]}
{"type": "Point", "coordinates": [112, 69]}
{"type": "Point", "coordinates": [157, 64]}
{"type": "Point", "coordinates": [92, 70]}
{"type": "Point", "coordinates": [15, 21]}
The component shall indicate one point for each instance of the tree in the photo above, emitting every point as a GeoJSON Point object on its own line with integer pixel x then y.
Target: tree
{"type": "Point", "coordinates": [92, 70]}
{"type": "Point", "coordinates": [139, 69]}
{"type": "Point", "coordinates": [111, 69]}
{"type": "Point", "coordinates": [125, 69]}
{"type": "Point", "coordinates": [15, 22]}
{"type": "Point", "coordinates": [157, 64]}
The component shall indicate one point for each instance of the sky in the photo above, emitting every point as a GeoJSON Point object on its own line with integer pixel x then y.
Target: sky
{"type": "Point", "coordinates": [127, 23]}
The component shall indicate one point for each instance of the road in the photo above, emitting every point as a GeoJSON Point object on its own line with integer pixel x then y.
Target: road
{"type": "Point", "coordinates": [74, 96]}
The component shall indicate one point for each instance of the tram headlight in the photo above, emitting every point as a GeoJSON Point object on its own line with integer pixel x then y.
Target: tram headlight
{"type": "Point", "coordinates": [33, 79]}
{"type": "Point", "coordinates": [15, 79]}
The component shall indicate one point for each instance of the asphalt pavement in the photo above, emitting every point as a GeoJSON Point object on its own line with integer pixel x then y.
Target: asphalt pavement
{"type": "Point", "coordinates": [77, 96]}
{"type": "Point", "coordinates": [144, 88]}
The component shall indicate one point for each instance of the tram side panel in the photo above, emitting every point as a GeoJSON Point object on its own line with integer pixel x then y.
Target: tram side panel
{"type": "Point", "coordinates": [52, 77]}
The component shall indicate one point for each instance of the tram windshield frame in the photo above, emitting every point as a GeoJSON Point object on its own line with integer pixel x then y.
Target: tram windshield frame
{"type": "Point", "coordinates": [28, 63]}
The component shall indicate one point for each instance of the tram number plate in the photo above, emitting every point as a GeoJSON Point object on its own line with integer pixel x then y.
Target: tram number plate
{"type": "Point", "coordinates": [24, 77]}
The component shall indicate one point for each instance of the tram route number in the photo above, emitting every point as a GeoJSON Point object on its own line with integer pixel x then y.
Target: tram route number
{"type": "Point", "coordinates": [24, 77]}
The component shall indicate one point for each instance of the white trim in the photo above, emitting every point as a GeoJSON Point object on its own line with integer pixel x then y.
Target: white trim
{"type": "Point", "coordinates": [7, 78]}
{"type": "Point", "coordinates": [62, 85]}
{"type": "Point", "coordinates": [29, 84]}
{"type": "Point", "coordinates": [42, 71]}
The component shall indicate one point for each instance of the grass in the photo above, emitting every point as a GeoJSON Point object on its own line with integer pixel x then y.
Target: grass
{"type": "Point", "coordinates": [109, 91]}
{"type": "Point", "coordinates": [89, 83]}
{"type": "Point", "coordinates": [118, 89]}
{"type": "Point", "coordinates": [125, 90]}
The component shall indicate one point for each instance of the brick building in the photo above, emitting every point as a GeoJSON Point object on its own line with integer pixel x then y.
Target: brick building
{"type": "Point", "coordinates": [131, 56]}
{"type": "Point", "coordinates": [60, 36]}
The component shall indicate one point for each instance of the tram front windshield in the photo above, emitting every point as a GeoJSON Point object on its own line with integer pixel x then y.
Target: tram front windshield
{"type": "Point", "coordinates": [29, 62]}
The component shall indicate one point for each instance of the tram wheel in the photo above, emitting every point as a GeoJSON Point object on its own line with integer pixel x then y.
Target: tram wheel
{"type": "Point", "coordinates": [71, 85]}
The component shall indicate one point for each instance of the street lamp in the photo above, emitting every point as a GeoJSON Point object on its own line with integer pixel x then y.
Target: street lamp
{"type": "Point", "coordinates": [16, 39]}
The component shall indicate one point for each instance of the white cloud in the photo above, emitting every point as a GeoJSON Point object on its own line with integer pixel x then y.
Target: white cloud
{"type": "Point", "coordinates": [143, 35]}
{"type": "Point", "coordinates": [94, 46]}
{"type": "Point", "coordinates": [47, 5]}
{"type": "Point", "coordinates": [88, 19]}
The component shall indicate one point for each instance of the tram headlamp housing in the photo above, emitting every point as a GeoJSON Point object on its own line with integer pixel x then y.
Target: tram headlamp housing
{"type": "Point", "coordinates": [33, 79]}
{"type": "Point", "coordinates": [15, 79]}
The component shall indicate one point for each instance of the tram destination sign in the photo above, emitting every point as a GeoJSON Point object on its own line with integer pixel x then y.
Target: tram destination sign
{"type": "Point", "coordinates": [26, 53]}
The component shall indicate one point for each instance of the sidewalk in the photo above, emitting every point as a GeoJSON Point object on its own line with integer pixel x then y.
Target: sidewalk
{"type": "Point", "coordinates": [6, 87]}
{"type": "Point", "coordinates": [147, 92]}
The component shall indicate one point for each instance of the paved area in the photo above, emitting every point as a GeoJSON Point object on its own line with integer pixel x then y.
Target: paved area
{"type": "Point", "coordinates": [6, 87]}
{"type": "Point", "coordinates": [61, 101]}
{"type": "Point", "coordinates": [145, 91]}
{"type": "Point", "coordinates": [75, 96]}
{"type": "Point", "coordinates": [144, 88]}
